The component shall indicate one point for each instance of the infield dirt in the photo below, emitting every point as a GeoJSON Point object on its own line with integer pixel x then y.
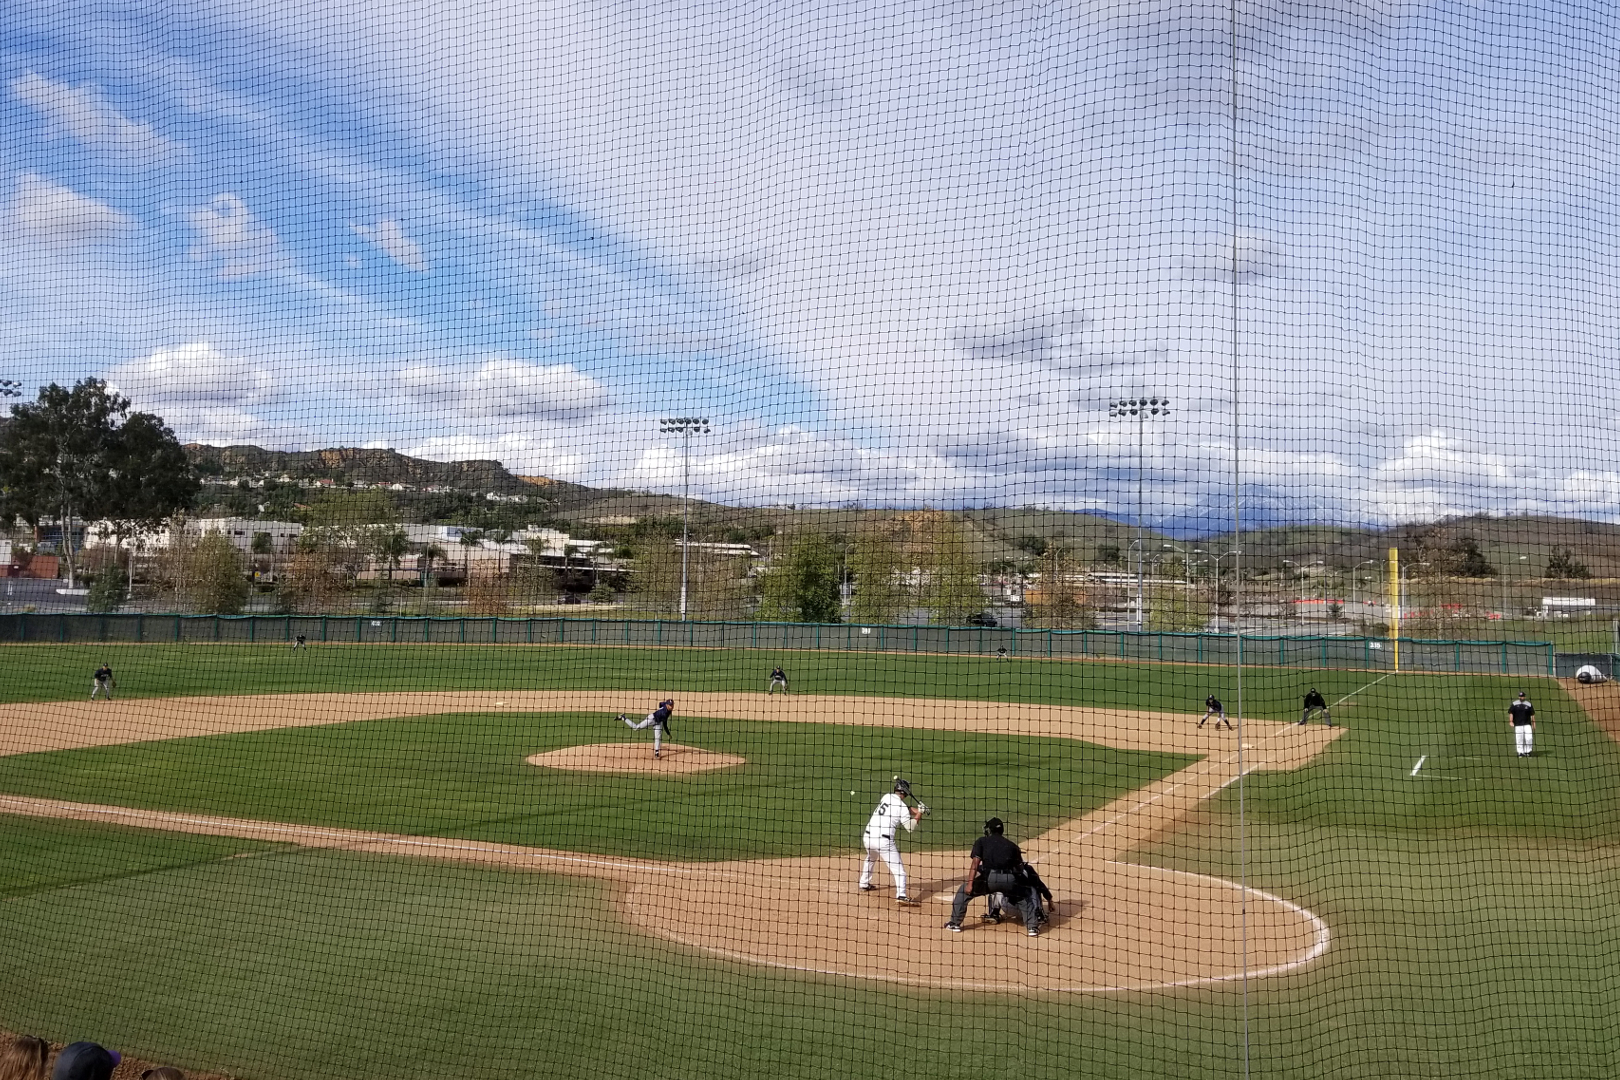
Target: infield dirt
{"type": "Point", "coordinates": [1118, 927]}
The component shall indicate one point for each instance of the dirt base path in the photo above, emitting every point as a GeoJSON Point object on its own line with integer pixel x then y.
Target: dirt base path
{"type": "Point", "coordinates": [1118, 927]}
{"type": "Point", "coordinates": [1601, 702]}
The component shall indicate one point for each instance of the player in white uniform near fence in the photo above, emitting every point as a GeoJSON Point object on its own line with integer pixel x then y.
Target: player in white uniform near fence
{"type": "Point", "coordinates": [891, 814]}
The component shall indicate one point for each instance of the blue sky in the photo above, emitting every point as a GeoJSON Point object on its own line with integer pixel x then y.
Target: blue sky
{"type": "Point", "coordinates": [901, 253]}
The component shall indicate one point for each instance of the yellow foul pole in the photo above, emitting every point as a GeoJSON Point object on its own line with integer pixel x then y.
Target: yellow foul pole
{"type": "Point", "coordinates": [1392, 603]}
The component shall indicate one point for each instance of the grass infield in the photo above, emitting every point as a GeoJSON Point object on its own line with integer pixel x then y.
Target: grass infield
{"type": "Point", "coordinates": [1474, 904]}
{"type": "Point", "coordinates": [464, 776]}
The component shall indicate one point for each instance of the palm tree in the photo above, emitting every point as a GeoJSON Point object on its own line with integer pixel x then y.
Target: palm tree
{"type": "Point", "coordinates": [470, 538]}
{"type": "Point", "coordinates": [393, 545]}
{"type": "Point", "coordinates": [500, 536]}
{"type": "Point", "coordinates": [431, 554]}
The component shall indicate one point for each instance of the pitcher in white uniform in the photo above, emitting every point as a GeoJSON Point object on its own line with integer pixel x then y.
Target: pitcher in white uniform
{"type": "Point", "coordinates": [891, 814]}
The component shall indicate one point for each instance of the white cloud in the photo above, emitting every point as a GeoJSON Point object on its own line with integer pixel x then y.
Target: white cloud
{"type": "Point", "coordinates": [389, 237]}
{"type": "Point", "coordinates": [211, 396]}
{"type": "Point", "coordinates": [941, 236]}
{"type": "Point", "coordinates": [503, 388]}
{"type": "Point", "coordinates": [1437, 458]}
{"type": "Point", "coordinates": [194, 374]}
{"type": "Point", "coordinates": [230, 236]}
{"type": "Point", "coordinates": [44, 212]}
{"type": "Point", "coordinates": [1254, 256]}
{"type": "Point", "coordinates": [1042, 338]}
{"type": "Point", "coordinates": [83, 113]}
{"type": "Point", "coordinates": [525, 453]}
{"type": "Point", "coordinates": [228, 425]}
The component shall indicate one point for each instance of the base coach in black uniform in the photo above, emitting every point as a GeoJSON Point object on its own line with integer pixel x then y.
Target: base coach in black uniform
{"type": "Point", "coordinates": [996, 868]}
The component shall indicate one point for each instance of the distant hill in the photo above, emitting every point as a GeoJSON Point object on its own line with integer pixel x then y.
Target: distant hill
{"type": "Point", "coordinates": [372, 466]}
{"type": "Point", "coordinates": [1518, 547]}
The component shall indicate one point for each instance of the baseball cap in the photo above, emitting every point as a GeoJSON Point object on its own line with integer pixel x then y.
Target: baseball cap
{"type": "Point", "coordinates": [85, 1061]}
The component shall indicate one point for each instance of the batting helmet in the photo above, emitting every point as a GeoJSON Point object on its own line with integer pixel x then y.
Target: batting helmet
{"type": "Point", "coordinates": [902, 787]}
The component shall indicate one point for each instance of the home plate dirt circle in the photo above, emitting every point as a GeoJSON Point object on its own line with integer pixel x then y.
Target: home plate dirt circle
{"type": "Point", "coordinates": [635, 758]}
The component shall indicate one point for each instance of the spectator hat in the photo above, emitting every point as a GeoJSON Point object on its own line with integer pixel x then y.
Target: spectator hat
{"type": "Point", "coordinates": [85, 1061]}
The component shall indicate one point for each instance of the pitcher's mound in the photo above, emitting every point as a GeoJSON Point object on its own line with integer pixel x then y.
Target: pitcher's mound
{"type": "Point", "coordinates": [635, 758]}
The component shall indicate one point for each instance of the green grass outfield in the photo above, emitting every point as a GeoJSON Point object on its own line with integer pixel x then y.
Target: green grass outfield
{"type": "Point", "coordinates": [1474, 905]}
{"type": "Point", "coordinates": [62, 672]}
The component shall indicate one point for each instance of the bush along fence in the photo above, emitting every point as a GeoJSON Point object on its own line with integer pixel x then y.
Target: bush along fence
{"type": "Point", "coordinates": [1484, 657]}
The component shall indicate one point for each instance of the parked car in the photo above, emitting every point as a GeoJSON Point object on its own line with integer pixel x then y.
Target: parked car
{"type": "Point", "coordinates": [982, 619]}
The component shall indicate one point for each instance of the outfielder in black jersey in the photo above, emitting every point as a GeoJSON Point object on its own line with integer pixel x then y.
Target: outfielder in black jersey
{"type": "Point", "coordinates": [1522, 715]}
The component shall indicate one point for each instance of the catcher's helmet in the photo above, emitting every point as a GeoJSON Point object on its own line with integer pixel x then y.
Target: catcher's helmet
{"type": "Point", "coordinates": [902, 787]}
{"type": "Point", "coordinates": [993, 827]}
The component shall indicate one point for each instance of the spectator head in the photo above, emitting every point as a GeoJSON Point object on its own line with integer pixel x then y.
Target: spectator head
{"type": "Point", "coordinates": [163, 1072]}
{"type": "Point", "coordinates": [85, 1061]}
{"type": "Point", "coordinates": [23, 1058]}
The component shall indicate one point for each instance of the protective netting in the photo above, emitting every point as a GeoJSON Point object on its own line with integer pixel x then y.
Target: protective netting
{"type": "Point", "coordinates": [577, 538]}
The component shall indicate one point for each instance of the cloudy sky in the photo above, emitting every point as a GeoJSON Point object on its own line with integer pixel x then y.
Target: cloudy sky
{"type": "Point", "coordinates": [898, 253]}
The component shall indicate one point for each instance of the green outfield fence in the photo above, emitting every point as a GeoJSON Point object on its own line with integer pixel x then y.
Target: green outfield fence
{"type": "Point", "coordinates": [1482, 657]}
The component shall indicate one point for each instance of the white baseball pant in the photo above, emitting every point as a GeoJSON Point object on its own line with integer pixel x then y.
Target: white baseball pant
{"type": "Point", "coordinates": [1524, 737]}
{"type": "Point", "coordinates": [883, 847]}
{"type": "Point", "coordinates": [652, 722]}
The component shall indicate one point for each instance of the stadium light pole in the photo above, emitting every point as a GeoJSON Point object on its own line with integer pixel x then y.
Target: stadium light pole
{"type": "Point", "coordinates": [10, 388]}
{"type": "Point", "coordinates": [1139, 409]}
{"type": "Point", "coordinates": [685, 427]}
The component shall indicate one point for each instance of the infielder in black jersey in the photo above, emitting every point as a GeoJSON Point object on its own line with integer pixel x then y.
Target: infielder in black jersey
{"type": "Point", "coordinates": [1213, 707]}
{"type": "Point", "coordinates": [103, 683]}
{"type": "Point", "coordinates": [1315, 703]}
{"type": "Point", "coordinates": [658, 720]}
{"type": "Point", "coordinates": [778, 678]}
{"type": "Point", "coordinates": [1522, 715]}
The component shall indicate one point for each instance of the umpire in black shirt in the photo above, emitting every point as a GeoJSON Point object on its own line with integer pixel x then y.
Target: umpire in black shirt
{"type": "Point", "coordinates": [996, 867]}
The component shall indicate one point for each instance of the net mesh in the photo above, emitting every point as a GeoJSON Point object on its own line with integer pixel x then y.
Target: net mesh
{"type": "Point", "coordinates": [496, 497]}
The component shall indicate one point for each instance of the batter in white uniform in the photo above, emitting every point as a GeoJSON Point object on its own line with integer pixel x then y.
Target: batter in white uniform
{"type": "Point", "coordinates": [891, 814]}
